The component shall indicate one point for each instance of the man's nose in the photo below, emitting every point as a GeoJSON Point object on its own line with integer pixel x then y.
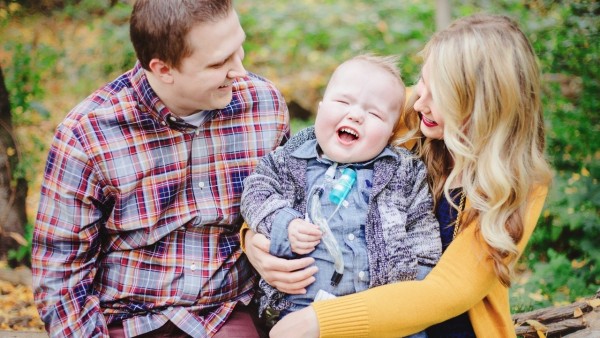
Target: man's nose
{"type": "Point", "coordinates": [237, 67]}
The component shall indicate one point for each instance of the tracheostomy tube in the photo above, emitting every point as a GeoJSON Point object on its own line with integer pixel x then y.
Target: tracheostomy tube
{"type": "Point", "coordinates": [338, 194]}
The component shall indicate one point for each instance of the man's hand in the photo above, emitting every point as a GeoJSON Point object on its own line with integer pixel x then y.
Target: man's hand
{"type": "Point", "coordinates": [288, 276]}
{"type": "Point", "coordinates": [301, 324]}
{"type": "Point", "coordinates": [303, 236]}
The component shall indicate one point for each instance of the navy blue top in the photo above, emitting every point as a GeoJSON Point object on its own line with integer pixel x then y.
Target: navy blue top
{"type": "Point", "coordinates": [459, 326]}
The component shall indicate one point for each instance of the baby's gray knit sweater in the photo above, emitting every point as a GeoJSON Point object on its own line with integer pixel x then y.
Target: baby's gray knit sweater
{"type": "Point", "coordinates": [401, 229]}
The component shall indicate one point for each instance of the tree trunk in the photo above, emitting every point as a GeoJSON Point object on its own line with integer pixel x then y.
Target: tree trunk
{"type": "Point", "coordinates": [443, 15]}
{"type": "Point", "coordinates": [12, 192]}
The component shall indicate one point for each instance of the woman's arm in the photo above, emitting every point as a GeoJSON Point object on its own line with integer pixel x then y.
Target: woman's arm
{"type": "Point", "coordinates": [463, 277]}
{"type": "Point", "coordinates": [403, 308]}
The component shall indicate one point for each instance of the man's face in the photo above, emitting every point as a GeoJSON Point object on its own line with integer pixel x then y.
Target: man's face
{"type": "Point", "coordinates": [359, 110]}
{"type": "Point", "coordinates": [203, 81]}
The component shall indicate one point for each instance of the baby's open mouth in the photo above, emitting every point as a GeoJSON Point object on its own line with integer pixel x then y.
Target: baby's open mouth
{"type": "Point", "coordinates": [347, 134]}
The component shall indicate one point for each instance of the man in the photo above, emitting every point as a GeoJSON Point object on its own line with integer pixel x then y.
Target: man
{"type": "Point", "coordinates": [137, 228]}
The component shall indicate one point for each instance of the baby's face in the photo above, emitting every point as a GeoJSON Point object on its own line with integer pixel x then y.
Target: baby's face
{"type": "Point", "coordinates": [360, 107]}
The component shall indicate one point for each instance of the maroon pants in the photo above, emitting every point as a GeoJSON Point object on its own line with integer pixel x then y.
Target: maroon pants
{"type": "Point", "coordinates": [242, 323]}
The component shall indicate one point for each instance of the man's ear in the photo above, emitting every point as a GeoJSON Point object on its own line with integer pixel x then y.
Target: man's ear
{"type": "Point", "coordinates": [161, 70]}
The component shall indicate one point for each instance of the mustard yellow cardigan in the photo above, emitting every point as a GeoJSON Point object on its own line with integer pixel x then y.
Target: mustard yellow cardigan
{"type": "Point", "coordinates": [464, 279]}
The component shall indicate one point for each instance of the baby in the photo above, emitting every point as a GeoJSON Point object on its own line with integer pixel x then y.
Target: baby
{"type": "Point", "coordinates": [339, 193]}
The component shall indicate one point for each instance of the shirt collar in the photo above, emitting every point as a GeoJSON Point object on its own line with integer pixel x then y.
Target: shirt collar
{"type": "Point", "coordinates": [310, 150]}
{"type": "Point", "coordinates": [151, 103]}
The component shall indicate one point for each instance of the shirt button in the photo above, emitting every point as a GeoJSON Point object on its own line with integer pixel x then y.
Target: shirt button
{"type": "Point", "coordinates": [193, 267]}
{"type": "Point", "coordinates": [170, 308]}
{"type": "Point", "coordinates": [172, 118]}
{"type": "Point", "coordinates": [197, 132]}
{"type": "Point", "coordinates": [163, 123]}
{"type": "Point", "coordinates": [201, 185]}
{"type": "Point", "coordinates": [351, 237]}
{"type": "Point", "coordinates": [361, 275]}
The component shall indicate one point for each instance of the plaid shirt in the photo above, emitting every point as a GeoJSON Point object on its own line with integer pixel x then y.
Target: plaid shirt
{"type": "Point", "coordinates": [139, 213]}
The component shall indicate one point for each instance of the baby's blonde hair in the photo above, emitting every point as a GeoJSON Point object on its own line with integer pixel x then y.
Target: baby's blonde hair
{"type": "Point", "coordinates": [484, 78]}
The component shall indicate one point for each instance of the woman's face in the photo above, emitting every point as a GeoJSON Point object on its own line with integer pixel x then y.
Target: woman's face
{"type": "Point", "coordinates": [432, 119]}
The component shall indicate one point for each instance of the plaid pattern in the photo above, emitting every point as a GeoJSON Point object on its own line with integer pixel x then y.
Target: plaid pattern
{"type": "Point", "coordinates": [139, 212]}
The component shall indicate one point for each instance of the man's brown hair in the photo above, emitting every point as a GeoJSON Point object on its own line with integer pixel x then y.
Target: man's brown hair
{"type": "Point", "coordinates": [159, 28]}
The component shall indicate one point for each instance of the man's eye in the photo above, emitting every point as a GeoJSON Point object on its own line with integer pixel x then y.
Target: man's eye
{"type": "Point", "coordinates": [220, 64]}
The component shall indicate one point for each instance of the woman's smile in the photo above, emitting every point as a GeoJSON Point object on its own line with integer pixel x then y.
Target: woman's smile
{"type": "Point", "coordinates": [427, 122]}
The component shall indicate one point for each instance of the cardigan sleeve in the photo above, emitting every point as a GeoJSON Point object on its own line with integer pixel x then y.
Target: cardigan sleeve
{"type": "Point", "coordinates": [422, 227]}
{"type": "Point", "coordinates": [463, 277]}
{"type": "Point", "coordinates": [263, 195]}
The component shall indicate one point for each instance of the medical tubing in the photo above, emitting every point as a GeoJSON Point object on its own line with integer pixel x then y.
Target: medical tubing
{"type": "Point", "coordinates": [328, 239]}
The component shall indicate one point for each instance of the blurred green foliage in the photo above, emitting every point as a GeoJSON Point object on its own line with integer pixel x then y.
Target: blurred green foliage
{"type": "Point", "coordinates": [297, 44]}
{"type": "Point", "coordinates": [23, 79]}
{"type": "Point", "coordinates": [565, 249]}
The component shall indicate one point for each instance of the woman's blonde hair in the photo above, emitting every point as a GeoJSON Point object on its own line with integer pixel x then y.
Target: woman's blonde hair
{"type": "Point", "coordinates": [484, 78]}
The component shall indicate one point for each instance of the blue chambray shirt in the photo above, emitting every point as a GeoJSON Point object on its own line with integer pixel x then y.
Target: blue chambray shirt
{"type": "Point", "coordinates": [347, 226]}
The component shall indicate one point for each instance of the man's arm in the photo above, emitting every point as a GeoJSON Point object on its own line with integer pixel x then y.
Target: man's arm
{"type": "Point", "coordinates": [288, 276]}
{"type": "Point", "coordinates": [66, 244]}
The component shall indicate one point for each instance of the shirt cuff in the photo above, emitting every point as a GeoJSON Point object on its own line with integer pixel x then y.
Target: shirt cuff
{"type": "Point", "coordinates": [342, 316]}
{"type": "Point", "coordinates": [280, 243]}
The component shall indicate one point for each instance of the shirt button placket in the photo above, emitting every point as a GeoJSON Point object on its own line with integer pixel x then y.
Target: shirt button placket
{"type": "Point", "coordinates": [192, 274]}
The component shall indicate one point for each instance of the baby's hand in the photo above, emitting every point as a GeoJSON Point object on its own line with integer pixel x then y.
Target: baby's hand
{"type": "Point", "coordinates": [303, 236]}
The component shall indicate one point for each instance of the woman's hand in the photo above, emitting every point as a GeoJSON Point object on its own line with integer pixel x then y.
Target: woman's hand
{"type": "Point", "coordinates": [288, 276]}
{"type": "Point", "coordinates": [301, 324]}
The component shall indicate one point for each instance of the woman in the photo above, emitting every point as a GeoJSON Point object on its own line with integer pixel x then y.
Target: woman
{"type": "Point", "coordinates": [481, 136]}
